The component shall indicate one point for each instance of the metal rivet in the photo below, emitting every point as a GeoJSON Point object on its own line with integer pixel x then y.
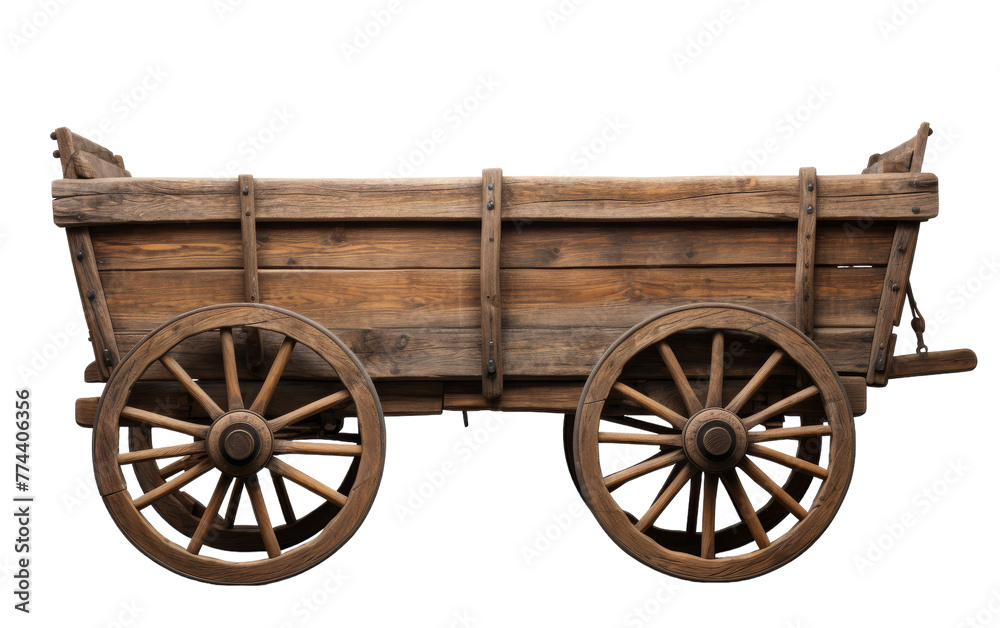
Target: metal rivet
{"type": "Point", "coordinates": [810, 187]}
{"type": "Point", "coordinates": [808, 236]}
{"type": "Point", "coordinates": [52, 135]}
{"type": "Point", "coordinates": [91, 295]}
{"type": "Point", "coordinates": [895, 287]}
{"type": "Point", "coordinates": [490, 205]}
{"type": "Point", "coordinates": [55, 154]}
{"type": "Point", "coordinates": [247, 214]}
{"type": "Point", "coordinates": [79, 255]}
{"type": "Point", "coordinates": [246, 190]}
{"type": "Point", "coordinates": [902, 249]}
{"type": "Point", "coordinates": [491, 239]}
{"type": "Point", "coordinates": [916, 210]}
{"type": "Point", "coordinates": [809, 209]}
{"type": "Point", "coordinates": [489, 187]}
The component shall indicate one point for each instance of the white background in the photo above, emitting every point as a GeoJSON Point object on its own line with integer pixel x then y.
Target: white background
{"type": "Point", "coordinates": [180, 88]}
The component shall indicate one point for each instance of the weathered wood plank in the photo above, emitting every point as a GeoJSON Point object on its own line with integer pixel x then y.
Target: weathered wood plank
{"type": "Point", "coordinates": [445, 298]}
{"type": "Point", "coordinates": [248, 239]}
{"type": "Point", "coordinates": [407, 353]}
{"type": "Point", "coordinates": [89, 166]}
{"type": "Point", "coordinates": [364, 245]}
{"type": "Point", "coordinates": [489, 285]}
{"type": "Point", "coordinates": [849, 197]}
{"type": "Point", "coordinates": [805, 256]}
{"type": "Point", "coordinates": [893, 293]}
{"type": "Point", "coordinates": [92, 297]}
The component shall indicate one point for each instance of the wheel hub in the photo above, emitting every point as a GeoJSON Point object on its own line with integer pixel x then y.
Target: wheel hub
{"type": "Point", "coordinates": [715, 440]}
{"type": "Point", "coordinates": [240, 443]}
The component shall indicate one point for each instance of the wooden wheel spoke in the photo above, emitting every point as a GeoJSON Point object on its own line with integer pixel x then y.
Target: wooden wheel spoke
{"type": "Point", "coordinates": [743, 506]}
{"type": "Point", "coordinates": [180, 465]}
{"type": "Point", "coordinates": [649, 465]}
{"type": "Point", "coordinates": [708, 516]}
{"type": "Point", "coordinates": [657, 408]}
{"type": "Point", "coordinates": [639, 424]}
{"type": "Point", "coordinates": [192, 387]}
{"type": "Point", "coordinates": [286, 504]}
{"type": "Point", "coordinates": [664, 499]}
{"type": "Point", "coordinates": [229, 366]}
{"type": "Point", "coordinates": [664, 440]}
{"type": "Point", "coordinates": [693, 498]}
{"type": "Point", "coordinates": [308, 410]}
{"type": "Point", "coordinates": [322, 449]}
{"type": "Point", "coordinates": [307, 482]}
{"type": "Point", "coordinates": [211, 510]}
{"type": "Point", "coordinates": [263, 519]}
{"type": "Point", "coordinates": [782, 433]}
{"type": "Point", "coordinates": [153, 419]}
{"type": "Point", "coordinates": [789, 461]}
{"type": "Point", "coordinates": [766, 483]}
{"type": "Point", "coordinates": [691, 401]}
{"type": "Point", "coordinates": [161, 452]}
{"type": "Point", "coordinates": [273, 376]}
{"type": "Point", "coordinates": [715, 373]}
{"type": "Point", "coordinates": [166, 488]}
{"type": "Point", "coordinates": [234, 503]}
{"type": "Point", "coordinates": [755, 382]}
{"type": "Point", "coordinates": [780, 406]}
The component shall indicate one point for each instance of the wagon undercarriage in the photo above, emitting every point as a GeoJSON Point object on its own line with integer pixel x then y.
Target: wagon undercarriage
{"type": "Point", "coordinates": [694, 332]}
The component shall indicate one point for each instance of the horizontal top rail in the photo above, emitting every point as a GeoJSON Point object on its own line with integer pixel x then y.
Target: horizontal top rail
{"type": "Point", "coordinates": [906, 196]}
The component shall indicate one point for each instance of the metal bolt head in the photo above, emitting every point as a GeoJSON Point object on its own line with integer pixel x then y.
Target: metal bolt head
{"type": "Point", "coordinates": [490, 205]}
{"type": "Point", "coordinates": [916, 210]}
{"type": "Point", "coordinates": [489, 186]}
{"type": "Point", "coordinates": [246, 191]}
{"type": "Point", "coordinates": [52, 135]}
{"type": "Point", "coordinates": [809, 209]}
{"type": "Point", "coordinates": [91, 295]}
{"type": "Point", "coordinates": [810, 187]}
{"type": "Point", "coordinates": [895, 287]}
{"type": "Point", "coordinates": [79, 255]}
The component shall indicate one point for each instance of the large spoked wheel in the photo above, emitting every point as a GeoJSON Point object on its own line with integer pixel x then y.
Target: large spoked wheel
{"type": "Point", "coordinates": [241, 439]}
{"type": "Point", "coordinates": [735, 397]}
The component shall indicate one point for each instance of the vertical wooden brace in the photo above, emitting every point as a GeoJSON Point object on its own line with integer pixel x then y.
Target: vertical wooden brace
{"type": "Point", "coordinates": [251, 284]}
{"type": "Point", "coordinates": [897, 273]}
{"type": "Point", "coordinates": [805, 252]}
{"type": "Point", "coordinates": [492, 348]}
{"type": "Point", "coordinates": [95, 306]}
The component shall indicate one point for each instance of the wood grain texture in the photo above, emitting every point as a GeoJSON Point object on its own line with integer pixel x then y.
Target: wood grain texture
{"type": "Point", "coordinates": [490, 291]}
{"type": "Point", "coordinates": [248, 239]}
{"type": "Point", "coordinates": [851, 197]}
{"type": "Point", "coordinates": [93, 300]}
{"type": "Point", "coordinates": [893, 295]}
{"type": "Point", "coordinates": [805, 255]}
{"type": "Point", "coordinates": [367, 245]}
{"type": "Point", "coordinates": [933, 363]}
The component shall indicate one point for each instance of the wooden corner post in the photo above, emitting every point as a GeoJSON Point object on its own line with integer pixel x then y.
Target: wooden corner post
{"type": "Point", "coordinates": [490, 284]}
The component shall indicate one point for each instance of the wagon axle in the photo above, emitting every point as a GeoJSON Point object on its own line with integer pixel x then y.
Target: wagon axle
{"type": "Point", "coordinates": [240, 443]}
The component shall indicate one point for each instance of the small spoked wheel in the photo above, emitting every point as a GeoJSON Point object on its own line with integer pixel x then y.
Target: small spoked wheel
{"type": "Point", "coordinates": [241, 437]}
{"type": "Point", "coordinates": [708, 395]}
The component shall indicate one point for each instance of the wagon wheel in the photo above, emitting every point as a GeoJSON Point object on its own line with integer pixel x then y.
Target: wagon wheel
{"type": "Point", "coordinates": [713, 436]}
{"type": "Point", "coordinates": [183, 512]}
{"type": "Point", "coordinates": [736, 535]}
{"type": "Point", "coordinates": [239, 444]}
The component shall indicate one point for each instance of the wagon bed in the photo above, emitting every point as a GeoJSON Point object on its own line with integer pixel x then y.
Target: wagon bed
{"type": "Point", "coordinates": [495, 291]}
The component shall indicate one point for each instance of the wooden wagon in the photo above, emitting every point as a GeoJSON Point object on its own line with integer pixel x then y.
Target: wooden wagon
{"type": "Point", "coordinates": [692, 331]}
